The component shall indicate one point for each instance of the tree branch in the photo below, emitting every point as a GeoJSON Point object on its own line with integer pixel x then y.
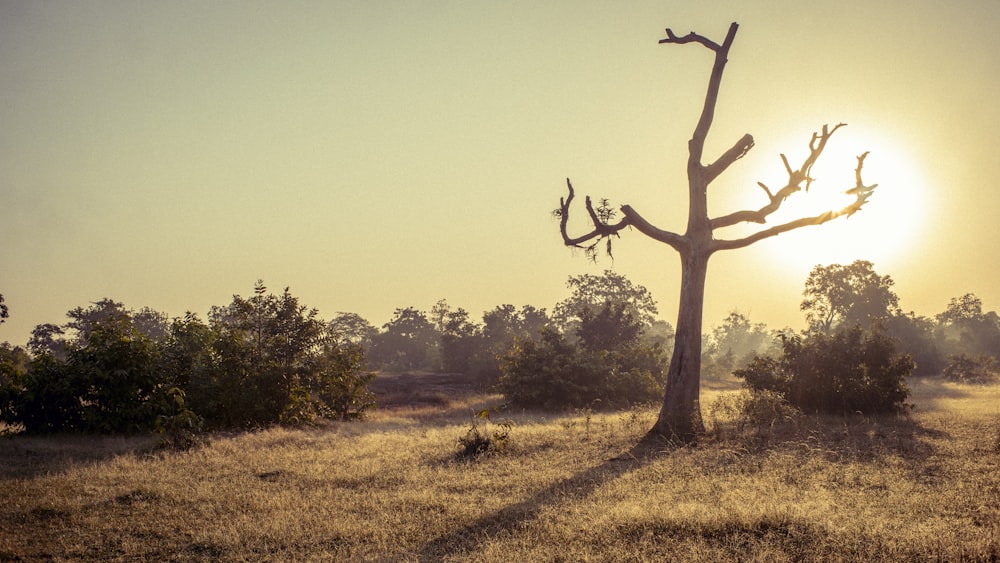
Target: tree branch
{"type": "Point", "coordinates": [675, 240]}
{"type": "Point", "coordinates": [736, 152]}
{"type": "Point", "coordinates": [601, 230]}
{"type": "Point", "coordinates": [798, 180]}
{"type": "Point", "coordinates": [860, 191]}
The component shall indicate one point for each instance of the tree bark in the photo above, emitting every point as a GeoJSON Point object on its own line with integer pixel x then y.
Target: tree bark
{"type": "Point", "coordinates": [680, 416]}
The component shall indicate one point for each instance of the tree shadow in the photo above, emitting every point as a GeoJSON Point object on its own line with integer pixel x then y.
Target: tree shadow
{"type": "Point", "coordinates": [843, 439]}
{"type": "Point", "coordinates": [25, 456]}
{"type": "Point", "coordinates": [467, 538]}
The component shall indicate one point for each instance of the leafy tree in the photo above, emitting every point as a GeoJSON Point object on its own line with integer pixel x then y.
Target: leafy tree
{"type": "Point", "coordinates": [341, 383]}
{"type": "Point", "coordinates": [501, 327]}
{"type": "Point", "coordinates": [852, 370]}
{"type": "Point", "coordinates": [838, 295]}
{"type": "Point", "coordinates": [407, 342]}
{"type": "Point", "coordinates": [48, 339]}
{"type": "Point", "coordinates": [4, 312]}
{"type": "Point", "coordinates": [737, 340]}
{"type": "Point", "coordinates": [608, 367]}
{"type": "Point", "coordinates": [264, 347]}
{"type": "Point", "coordinates": [590, 292]}
{"type": "Point", "coordinates": [462, 344]}
{"type": "Point", "coordinates": [14, 362]}
{"type": "Point", "coordinates": [680, 415]}
{"type": "Point", "coordinates": [351, 328]}
{"type": "Point", "coordinates": [119, 386]}
{"type": "Point", "coordinates": [104, 378]}
{"type": "Point", "coordinates": [966, 329]}
{"type": "Point", "coordinates": [916, 336]}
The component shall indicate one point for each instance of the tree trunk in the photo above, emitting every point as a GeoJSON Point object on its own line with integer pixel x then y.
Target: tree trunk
{"type": "Point", "coordinates": [680, 416]}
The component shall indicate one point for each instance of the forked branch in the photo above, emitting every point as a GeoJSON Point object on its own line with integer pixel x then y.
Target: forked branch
{"type": "Point", "coordinates": [798, 180]}
{"type": "Point", "coordinates": [599, 218]}
{"type": "Point", "coordinates": [602, 229]}
{"type": "Point", "coordinates": [860, 191]}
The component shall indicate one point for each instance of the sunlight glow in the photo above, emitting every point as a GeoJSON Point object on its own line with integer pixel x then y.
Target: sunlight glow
{"type": "Point", "coordinates": [886, 229]}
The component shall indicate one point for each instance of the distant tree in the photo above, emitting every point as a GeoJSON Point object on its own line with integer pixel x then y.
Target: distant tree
{"type": "Point", "coordinates": [965, 329]}
{"type": "Point", "coordinates": [680, 415]}
{"type": "Point", "coordinates": [916, 337]}
{"type": "Point", "coordinates": [48, 339]}
{"type": "Point", "coordinates": [462, 344]}
{"type": "Point", "coordinates": [351, 328]}
{"type": "Point", "coordinates": [734, 342]}
{"type": "Point", "coordinates": [407, 342]}
{"type": "Point", "coordinates": [838, 295]}
{"type": "Point", "coordinates": [501, 327]}
{"type": "Point", "coordinates": [4, 313]}
{"type": "Point", "coordinates": [590, 292]}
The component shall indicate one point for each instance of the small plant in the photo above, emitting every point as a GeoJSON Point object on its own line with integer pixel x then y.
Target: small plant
{"type": "Point", "coordinates": [759, 409]}
{"type": "Point", "coordinates": [481, 439]}
{"type": "Point", "coordinates": [180, 429]}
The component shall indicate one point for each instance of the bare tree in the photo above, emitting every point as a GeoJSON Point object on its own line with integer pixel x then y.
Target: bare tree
{"type": "Point", "coordinates": [680, 415]}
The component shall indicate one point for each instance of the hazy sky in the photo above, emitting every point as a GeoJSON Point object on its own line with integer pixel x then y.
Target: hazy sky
{"type": "Point", "coordinates": [376, 154]}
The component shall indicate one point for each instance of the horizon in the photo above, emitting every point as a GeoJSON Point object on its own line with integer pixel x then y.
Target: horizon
{"type": "Point", "coordinates": [375, 156]}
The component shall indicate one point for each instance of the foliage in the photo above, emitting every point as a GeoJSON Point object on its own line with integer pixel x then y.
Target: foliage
{"type": "Point", "coordinates": [609, 366]}
{"type": "Point", "coordinates": [838, 295]}
{"type": "Point", "coordinates": [972, 369]}
{"type": "Point", "coordinates": [116, 378]}
{"type": "Point", "coordinates": [4, 312]}
{"type": "Point", "coordinates": [756, 409]}
{"type": "Point", "coordinates": [852, 370]}
{"type": "Point", "coordinates": [590, 292]}
{"type": "Point", "coordinates": [273, 360]}
{"type": "Point", "coordinates": [180, 426]}
{"type": "Point", "coordinates": [340, 385]}
{"type": "Point", "coordinates": [104, 379]}
{"type": "Point", "coordinates": [407, 342]}
{"type": "Point", "coordinates": [963, 328]}
{"type": "Point", "coordinates": [916, 337]}
{"type": "Point", "coordinates": [733, 343]}
{"type": "Point", "coordinates": [351, 328]}
{"type": "Point", "coordinates": [259, 360]}
{"type": "Point", "coordinates": [480, 439]}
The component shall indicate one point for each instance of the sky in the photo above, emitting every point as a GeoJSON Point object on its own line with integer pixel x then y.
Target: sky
{"type": "Point", "coordinates": [373, 155]}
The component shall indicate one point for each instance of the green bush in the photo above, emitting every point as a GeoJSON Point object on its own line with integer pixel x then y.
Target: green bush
{"type": "Point", "coordinates": [850, 371]}
{"type": "Point", "coordinates": [609, 367]}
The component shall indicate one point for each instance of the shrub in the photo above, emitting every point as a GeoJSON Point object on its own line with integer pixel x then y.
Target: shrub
{"type": "Point", "coordinates": [852, 370]}
{"type": "Point", "coordinates": [971, 369]}
{"type": "Point", "coordinates": [552, 373]}
{"type": "Point", "coordinates": [480, 439]}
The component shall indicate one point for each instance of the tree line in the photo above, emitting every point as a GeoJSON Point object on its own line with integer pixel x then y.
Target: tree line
{"type": "Point", "coordinates": [268, 359]}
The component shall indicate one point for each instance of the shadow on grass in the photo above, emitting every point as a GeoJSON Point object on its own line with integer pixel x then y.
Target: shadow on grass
{"type": "Point", "coordinates": [850, 439]}
{"type": "Point", "coordinates": [25, 457]}
{"type": "Point", "coordinates": [467, 538]}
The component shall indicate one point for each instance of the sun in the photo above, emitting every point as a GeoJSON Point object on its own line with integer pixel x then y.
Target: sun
{"type": "Point", "coordinates": [884, 231]}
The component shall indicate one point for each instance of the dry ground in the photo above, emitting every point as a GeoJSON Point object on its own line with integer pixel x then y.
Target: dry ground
{"type": "Point", "coordinates": [570, 487]}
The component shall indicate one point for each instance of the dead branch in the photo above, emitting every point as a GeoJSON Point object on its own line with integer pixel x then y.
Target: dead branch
{"type": "Point", "coordinates": [798, 180]}
{"type": "Point", "coordinates": [860, 191]}
{"type": "Point", "coordinates": [602, 229]}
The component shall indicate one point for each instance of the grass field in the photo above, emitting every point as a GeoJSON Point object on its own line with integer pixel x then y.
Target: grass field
{"type": "Point", "coordinates": [569, 487]}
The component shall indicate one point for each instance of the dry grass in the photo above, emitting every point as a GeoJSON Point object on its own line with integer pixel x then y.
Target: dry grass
{"type": "Point", "coordinates": [576, 487]}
